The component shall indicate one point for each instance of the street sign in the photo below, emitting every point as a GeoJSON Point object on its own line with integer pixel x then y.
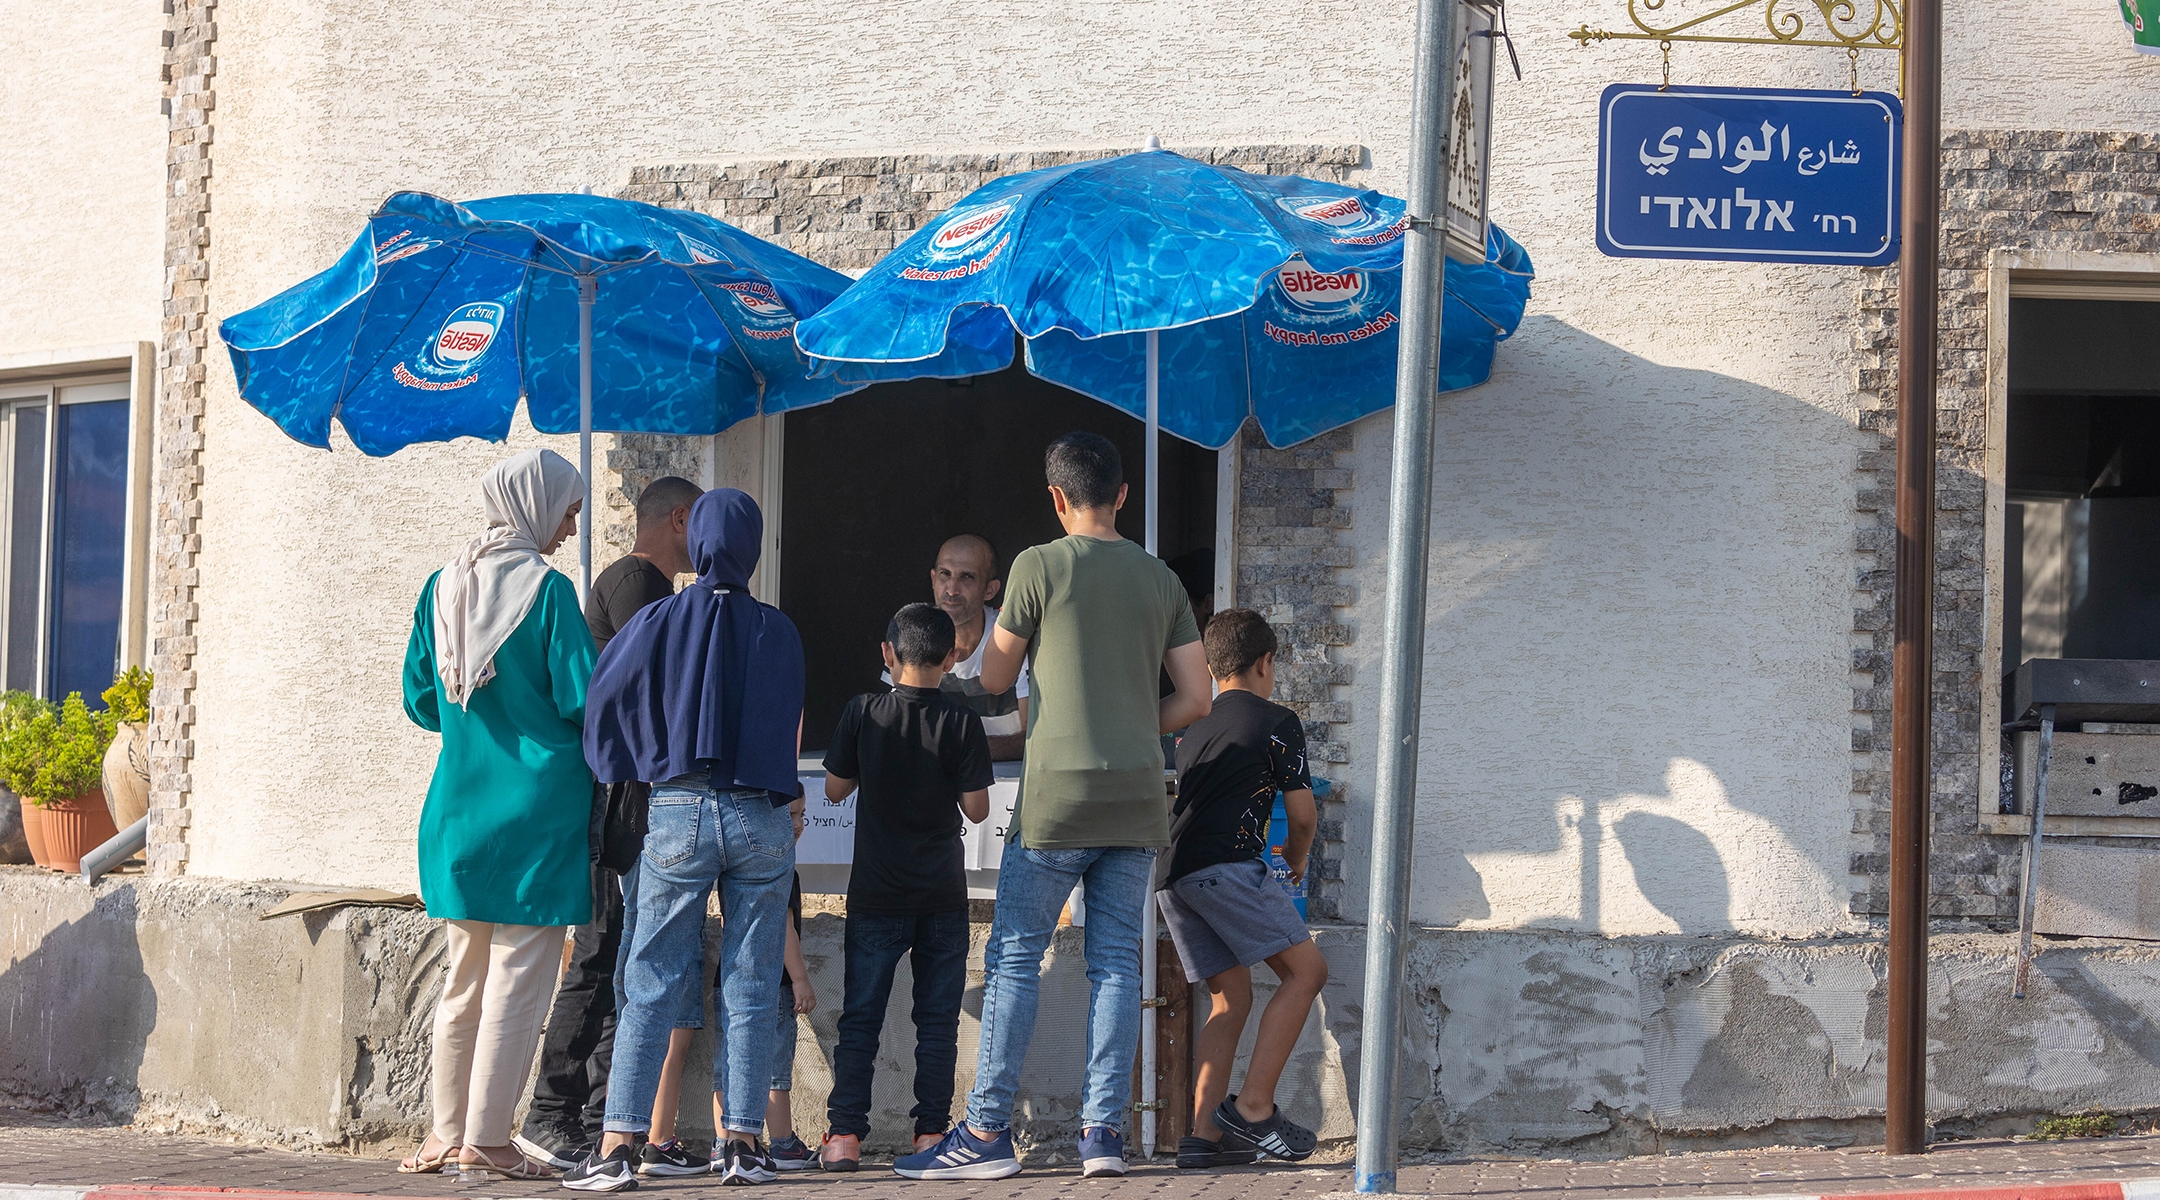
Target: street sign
{"type": "Point", "coordinates": [1469, 129]}
{"type": "Point", "coordinates": [1749, 174]}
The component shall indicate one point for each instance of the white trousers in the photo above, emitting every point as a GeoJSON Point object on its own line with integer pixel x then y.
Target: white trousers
{"type": "Point", "coordinates": [496, 990]}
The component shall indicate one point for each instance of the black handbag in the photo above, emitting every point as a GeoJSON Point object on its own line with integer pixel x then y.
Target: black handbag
{"type": "Point", "coordinates": [617, 831]}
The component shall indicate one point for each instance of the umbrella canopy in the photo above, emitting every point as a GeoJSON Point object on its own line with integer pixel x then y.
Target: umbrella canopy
{"type": "Point", "coordinates": [1266, 296]}
{"type": "Point", "coordinates": [442, 315]}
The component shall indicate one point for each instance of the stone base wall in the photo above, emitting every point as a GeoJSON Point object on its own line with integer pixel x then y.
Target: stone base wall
{"type": "Point", "coordinates": [167, 1002]}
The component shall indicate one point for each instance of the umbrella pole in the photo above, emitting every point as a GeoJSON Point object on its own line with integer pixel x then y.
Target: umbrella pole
{"type": "Point", "coordinates": [1148, 1101]}
{"type": "Point", "coordinates": [1154, 427]}
{"type": "Point", "coordinates": [587, 285]}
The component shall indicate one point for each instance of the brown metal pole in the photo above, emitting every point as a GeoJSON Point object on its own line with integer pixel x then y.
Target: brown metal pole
{"type": "Point", "coordinates": [1912, 658]}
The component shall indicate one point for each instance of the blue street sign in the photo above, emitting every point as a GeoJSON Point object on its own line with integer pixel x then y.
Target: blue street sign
{"type": "Point", "coordinates": [1749, 174]}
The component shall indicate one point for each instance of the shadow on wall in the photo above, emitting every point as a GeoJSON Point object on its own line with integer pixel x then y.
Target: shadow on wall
{"type": "Point", "coordinates": [76, 1013]}
{"type": "Point", "coordinates": [1641, 600]}
{"type": "Point", "coordinates": [1699, 905]}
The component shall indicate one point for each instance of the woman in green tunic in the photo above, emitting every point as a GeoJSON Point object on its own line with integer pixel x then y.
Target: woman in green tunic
{"type": "Point", "coordinates": [498, 663]}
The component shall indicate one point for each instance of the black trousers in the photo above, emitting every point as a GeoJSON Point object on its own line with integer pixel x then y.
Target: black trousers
{"type": "Point", "coordinates": [571, 1093]}
{"type": "Point", "coordinates": [936, 948]}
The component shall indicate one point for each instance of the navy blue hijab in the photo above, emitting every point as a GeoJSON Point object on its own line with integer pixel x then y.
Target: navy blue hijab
{"type": "Point", "coordinates": [708, 679]}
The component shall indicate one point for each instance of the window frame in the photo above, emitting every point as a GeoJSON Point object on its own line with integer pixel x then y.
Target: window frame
{"type": "Point", "coordinates": [2044, 274]}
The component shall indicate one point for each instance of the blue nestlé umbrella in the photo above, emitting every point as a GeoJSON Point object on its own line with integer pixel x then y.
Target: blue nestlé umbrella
{"type": "Point", "coordinates": [1175, 290]}
{"type": "Point", "coordinates": [601, 313]}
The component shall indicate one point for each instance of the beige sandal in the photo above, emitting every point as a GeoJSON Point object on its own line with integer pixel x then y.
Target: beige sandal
{"type": "Point", "coordinates": [523, 1168]}
{"type": "Point", "coordinates": [423, 1164]}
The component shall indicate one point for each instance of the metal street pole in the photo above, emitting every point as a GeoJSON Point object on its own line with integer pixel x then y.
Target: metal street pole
{"type": "Point", "coordinates": [1402, 650]}
{"type": "Point", "coordinates": [1913, 621]}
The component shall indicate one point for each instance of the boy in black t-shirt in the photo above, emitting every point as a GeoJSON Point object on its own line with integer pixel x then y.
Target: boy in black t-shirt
{"type": "Point", "coordinates": [1223, 906]}
{"type": "Point", "coordinates": [922, 761]}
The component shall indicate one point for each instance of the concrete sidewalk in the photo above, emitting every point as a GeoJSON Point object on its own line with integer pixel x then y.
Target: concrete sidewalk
{"type": "Point", "coordinates": [127, 1163]}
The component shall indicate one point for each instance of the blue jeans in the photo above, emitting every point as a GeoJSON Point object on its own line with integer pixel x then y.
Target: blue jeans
{"type": "Point", "coordinates": [1032, 888]}
{"type": "Point", "coordinates": [698, 837]}
{"type": "Point", "coordinates": [936, 947]}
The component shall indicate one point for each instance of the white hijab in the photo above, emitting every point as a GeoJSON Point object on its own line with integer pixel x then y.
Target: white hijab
{"type": "Point", "coordinates": [484, 593]}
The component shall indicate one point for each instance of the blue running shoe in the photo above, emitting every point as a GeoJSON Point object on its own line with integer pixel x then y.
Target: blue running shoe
{"type": "Point", "coordinates": [1102, 1152]}
{"type": "Point", "coordinates": [962, 1156]}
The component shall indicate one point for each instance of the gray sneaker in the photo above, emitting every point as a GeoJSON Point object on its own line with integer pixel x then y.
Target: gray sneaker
{"type": "Point", "coordinates": [558, 1148]}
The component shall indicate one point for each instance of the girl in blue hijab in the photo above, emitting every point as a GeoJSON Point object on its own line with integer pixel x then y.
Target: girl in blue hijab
{"type": "Point", "coordinates": [701, 696]}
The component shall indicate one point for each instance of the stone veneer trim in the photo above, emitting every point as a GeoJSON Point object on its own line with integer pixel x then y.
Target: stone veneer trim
{"type": "Point", "coordinates": [1292, 504]}
{"type": "Point", "coordinates": [184, 337]}
{"type": "Point", "coordinates": [2047, 190]}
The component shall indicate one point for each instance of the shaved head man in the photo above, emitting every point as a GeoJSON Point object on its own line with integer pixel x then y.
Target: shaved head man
{"type": "Point", "coordinates": [964, 581]}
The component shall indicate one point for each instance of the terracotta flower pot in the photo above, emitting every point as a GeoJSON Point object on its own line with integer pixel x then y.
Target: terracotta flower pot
{"type": "Point", "coordinates": [75, 827]}
{"type": "Point", "coordinates": [33, 823]}
{"type": "Point", "coordinates": [127, 774]}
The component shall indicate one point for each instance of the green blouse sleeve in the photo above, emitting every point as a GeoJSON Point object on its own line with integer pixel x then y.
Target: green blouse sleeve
{"type": "Point", "coordinates": [423, 686]}
{"type": "Point", "coordinates": [569, 649]}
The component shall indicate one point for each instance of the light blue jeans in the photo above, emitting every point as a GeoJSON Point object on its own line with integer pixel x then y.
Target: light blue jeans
{"type": "Point", "coordinates": [1032, 889]}
{"type": "Point", "coordinates": [698, 837]}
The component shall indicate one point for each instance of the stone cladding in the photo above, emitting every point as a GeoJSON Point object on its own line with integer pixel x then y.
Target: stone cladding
{"type": "Point", "coordinates": [2031, 189]}
{"type": "Point", "coordinates": [848, 212]}
{"type": "Point", "coordinates": [190, 97]}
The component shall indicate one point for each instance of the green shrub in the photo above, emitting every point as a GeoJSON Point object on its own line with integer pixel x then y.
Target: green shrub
{"type": "Point", "coordinates": [19, 708]}
{"type": "Point", "coordinates": [129, 696]}
{"type": "Point", "coordinates": [54, 755]}
{"type": "Point", "coordinates": [2076, 1125]}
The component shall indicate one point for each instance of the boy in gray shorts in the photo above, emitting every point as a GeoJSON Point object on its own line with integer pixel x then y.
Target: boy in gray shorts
{"type": "Point", "coordinates": [1222, 904]}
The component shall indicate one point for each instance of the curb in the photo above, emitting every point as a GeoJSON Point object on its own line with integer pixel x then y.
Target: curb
{"type": "Point", "coordinates": [2096, 1189]}
{"type": "Point", "coordinates": [146, 1191]}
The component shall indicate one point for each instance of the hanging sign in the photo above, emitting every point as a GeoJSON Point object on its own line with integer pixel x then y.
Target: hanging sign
{"type": "Point", "coordinates": [1468, 145]}
{"type": "Point", "coordinates": [2143, 19]}
{"type": "Point", "coordinates": [1748, 174]}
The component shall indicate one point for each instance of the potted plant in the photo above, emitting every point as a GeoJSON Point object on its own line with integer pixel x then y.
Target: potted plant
{"type": "Point", "coordinates": [127, 760]}
{"type": "Point", "coordinates": [17, 709]}
{"type": "Point", "coordinates": [55, 760]}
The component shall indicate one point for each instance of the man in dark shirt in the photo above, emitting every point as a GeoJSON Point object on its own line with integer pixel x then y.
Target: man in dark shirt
{"type": "Point", "coordinates": [647, 573]}
{"type": "Point", "coordinates": [1220, 899]}
{"type": "Point", "coordinates": [571, 1092]}
{"type": "Point", "coordinates": [922, 762]}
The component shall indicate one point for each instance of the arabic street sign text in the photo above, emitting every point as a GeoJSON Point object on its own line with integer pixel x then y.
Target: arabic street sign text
{"type": "Point", "coordinates": [1748, 174]}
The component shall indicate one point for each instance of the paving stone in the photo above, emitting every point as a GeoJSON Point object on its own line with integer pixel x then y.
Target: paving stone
{"type": "Point", "coordinates": [40, 1149]}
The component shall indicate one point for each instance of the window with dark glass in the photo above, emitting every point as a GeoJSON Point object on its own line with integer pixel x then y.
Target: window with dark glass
{"type": "Point", "coordinates": [66, 452]}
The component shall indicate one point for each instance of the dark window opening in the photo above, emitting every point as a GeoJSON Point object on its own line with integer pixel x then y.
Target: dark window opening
{"type": "Point", "coordinates": [2081, 538]}
{"type": "Point", "coordinates": [875, 482]}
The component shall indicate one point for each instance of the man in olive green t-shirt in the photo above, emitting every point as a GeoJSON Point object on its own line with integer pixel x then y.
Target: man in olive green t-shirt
{"type": "Point", "coordinates": [1097, 618]}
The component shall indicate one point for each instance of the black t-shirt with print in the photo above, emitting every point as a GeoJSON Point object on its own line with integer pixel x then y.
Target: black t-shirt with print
{"type": "Point", "coordinates": [1230, 764]}
{"type": "Point", "coordinates": [914, 751]}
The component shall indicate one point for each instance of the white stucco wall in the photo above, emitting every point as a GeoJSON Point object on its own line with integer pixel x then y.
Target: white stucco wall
{"type": "Point", "coordinates": [306, 768]}
{"type": "Point", "coordinates": [1642, 585]}
{"type": "Point", "coordinates": [83, 177]}
{"type": "Point", "coordinates": [1638, 648]}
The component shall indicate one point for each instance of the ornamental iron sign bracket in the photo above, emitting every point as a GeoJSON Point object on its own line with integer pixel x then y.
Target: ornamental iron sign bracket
{"type": "Point", "coordinates": [1848, 25]}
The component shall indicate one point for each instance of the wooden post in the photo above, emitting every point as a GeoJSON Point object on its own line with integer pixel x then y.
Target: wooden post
{"type": "Point", "coordinates": [1173, 1047]}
